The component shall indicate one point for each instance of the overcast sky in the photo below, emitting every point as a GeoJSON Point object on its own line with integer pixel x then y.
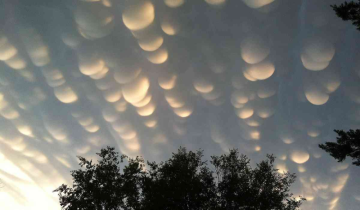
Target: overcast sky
{"type": "Point", "coordinates": [147, 76]}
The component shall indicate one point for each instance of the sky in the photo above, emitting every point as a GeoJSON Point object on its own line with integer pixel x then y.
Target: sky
{"type": "Point", "coordinates": [147, 76]}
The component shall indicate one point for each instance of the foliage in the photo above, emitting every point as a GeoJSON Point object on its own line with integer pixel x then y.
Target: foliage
{"type": "Point", "coordinates": [347, 145]}
{"type": "Point", "coordinates": [102, 186]}
{"type": "Point", "coordinates": [241, 187]}
{"type": "Point", "coordinates": [183, 182]}
{"type": "Point", "coordinates": [349, 11]}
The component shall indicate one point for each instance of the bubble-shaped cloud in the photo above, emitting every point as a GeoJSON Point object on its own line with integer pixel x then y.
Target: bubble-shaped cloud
{"type": "Point", "coordinates": [135, 91]}
{"type": "Point", "coordinates": [174, 3]}
{"type": "Point", "coordinates": [158, 57]}
{"type": "Point", "coordinates": [215, 2]}
{"type": "Point", "coordinates": [255, 4]}
{"type": "Point", "coordinates": [316, 96]}
{"type": "Point", "coordinates": [260, 71]}
{"type": "Point", "coordinates": [65, 94]}
{"type": "Point", "coordinates": [299, 156]}
{"type": "Point", "coordinates": [139, 15]}
{"type": "Point", "coordinates": [254, 49]}
{"type": "Point", "coordinates": [317, 54]}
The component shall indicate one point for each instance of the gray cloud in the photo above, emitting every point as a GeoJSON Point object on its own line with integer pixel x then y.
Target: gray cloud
{"type": "Point", "coordinates": [264, 76]}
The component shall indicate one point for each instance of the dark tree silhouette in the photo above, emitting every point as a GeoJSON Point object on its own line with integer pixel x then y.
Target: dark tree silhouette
{"type": "Point", "coordinates": [184, 182]}
{"type": "Point", "coordinates": [102, 186]}
{"type": "Point", "coordinates": [261, 188]}
{"type": "Point", "coordinates": [347, 145]}
{"type": "Point", "coordinates": [349, 11]}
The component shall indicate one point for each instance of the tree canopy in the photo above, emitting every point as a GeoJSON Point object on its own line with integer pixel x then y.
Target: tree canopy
{"type": "Point", "coordinates": [349, 11]}
{"type": "Point", "coordinates": [347, 145]}
{"type": "Point", "coordinates": [183, 182]}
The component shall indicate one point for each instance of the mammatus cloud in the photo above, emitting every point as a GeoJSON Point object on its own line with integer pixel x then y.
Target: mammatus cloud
{"type": "Point", "coordinates": [146, 76]}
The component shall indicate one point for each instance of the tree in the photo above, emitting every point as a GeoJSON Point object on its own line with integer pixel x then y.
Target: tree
{"type": "Point", "coordinates": [261, 188]}
{"type": "Point", "coordinates": [347, 145]}
{"type": "Point", "coordinates": [183, 182]}
{"type": "Point", "coordinates": [349, 11]}
{"type": "Point", "coordinates": [102, 186]}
